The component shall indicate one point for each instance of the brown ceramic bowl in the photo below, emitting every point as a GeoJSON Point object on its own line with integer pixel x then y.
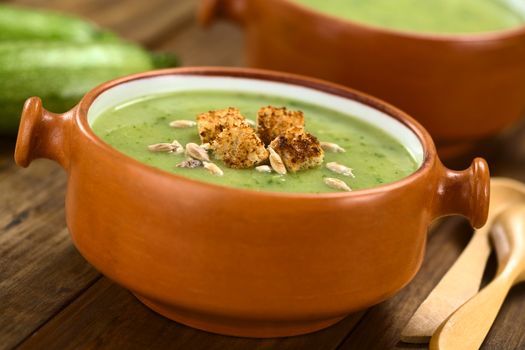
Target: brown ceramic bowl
{"type": "Point", "coordinates": [462, 88]}
{"type": "Point", "coordinates": [243, 262]}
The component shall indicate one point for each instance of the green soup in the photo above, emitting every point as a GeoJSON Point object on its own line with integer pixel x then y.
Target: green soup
{"type": "Point", "coordinates": [435, 16]}
{"type": "Point", "coordinates": [375, 157]}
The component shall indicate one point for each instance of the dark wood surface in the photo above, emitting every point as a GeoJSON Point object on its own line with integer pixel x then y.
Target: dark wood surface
{"type": "Point", "coordinates": [51, 298]}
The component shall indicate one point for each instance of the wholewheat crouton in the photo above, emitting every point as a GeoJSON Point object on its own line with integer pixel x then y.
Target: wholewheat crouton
{"type": "Point", "coordinates": [298, 149]}
{"type": "Point", "coordinates": [273, 122]}
{"type": "Point", "coordinates": [210, 124]}
{"type": "Point", "coordinates": [239, 147]}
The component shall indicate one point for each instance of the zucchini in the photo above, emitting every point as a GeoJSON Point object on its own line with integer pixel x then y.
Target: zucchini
{"type": "Point", "coordinates": [17, 23]}
{"type": "Point", "coordinates": [61, 73]}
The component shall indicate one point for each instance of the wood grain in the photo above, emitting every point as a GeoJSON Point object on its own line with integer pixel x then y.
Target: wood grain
{"type": "Point", "coordinates": [507, 332]}
{"type": "Point", "coordinates": [467, 327]}
{"type": "Point", "coordinates": [109, 317]}
{"type": "Point", "coordinates": [463, 279]}
{"type": "Point", "coordinates": [41, 272]}
{"type": "Point", "coordinates": [460, 283]}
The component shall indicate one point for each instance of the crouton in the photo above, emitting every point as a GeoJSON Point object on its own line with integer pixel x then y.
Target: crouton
{"type": "Point", "coordinates": [239, 147]}
{"type": "Point", "coordinates": [273, 122]}
{"type": "Point", "coordinates": [298, 149]}
{"type": "Point", "coordinates": [210, 124]}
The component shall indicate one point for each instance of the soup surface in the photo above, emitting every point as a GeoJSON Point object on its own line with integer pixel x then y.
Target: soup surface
{"type": "Point", "coordinates": [435, 16]}
{"type": "Point", "coordinates": [375, 157]}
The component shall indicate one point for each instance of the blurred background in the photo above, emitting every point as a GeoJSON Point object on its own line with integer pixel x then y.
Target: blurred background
{"type": "Point", "coordinates": [87, 42]}
{"type": "Point", "coordinates": [171, 26]}
{"type": "Point", "coordinates": [165, 25]}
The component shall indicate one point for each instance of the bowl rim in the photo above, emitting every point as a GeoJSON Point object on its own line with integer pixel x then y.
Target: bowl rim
{"type": "Point", "coordinates": [491, 35]}
{"type": "Point", "coordinates": [429, 150]}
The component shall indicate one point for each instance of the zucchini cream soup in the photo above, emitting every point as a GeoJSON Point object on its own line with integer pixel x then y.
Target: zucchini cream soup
{"type": "Point", "coordinates": [434, 16]}
{"type": "Point", "coordinates": [283, 145]}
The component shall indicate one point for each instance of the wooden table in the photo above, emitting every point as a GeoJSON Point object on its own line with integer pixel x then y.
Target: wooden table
{"type": "Point", "coordinates": [51, 298]}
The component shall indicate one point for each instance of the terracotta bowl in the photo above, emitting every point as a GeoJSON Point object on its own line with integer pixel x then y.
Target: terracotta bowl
{"type": "Point", "coordinates": [462, 88]}
{"type": "Point", "coordinates": [242, 262]}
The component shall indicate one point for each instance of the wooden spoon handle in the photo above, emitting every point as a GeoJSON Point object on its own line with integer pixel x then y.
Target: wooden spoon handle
{"type": "Point", "coordinates": [466, 328]}
{"type": "Point", "coordinates": [458, 285]}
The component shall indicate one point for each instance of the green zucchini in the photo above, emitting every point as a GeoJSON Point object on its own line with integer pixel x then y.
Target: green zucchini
{"type": "Point", "coordinates": [17, 23]}
{"type": "Point", "coordinates": [61, 73]}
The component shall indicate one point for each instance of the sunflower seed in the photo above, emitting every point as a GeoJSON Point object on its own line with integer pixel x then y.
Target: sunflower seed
{"type": "Point", "coordinates": [337, 184]}
{"type": "Point", "coordinates": [332, 147]}
{"type": "Point", "coordinates": [161, 147]}
{"type": "Point", "coordinates": [213, 169]}
{"type": "Point", "coordinates": [180, 124]}
{"type": "Point", "coordinates": [189, 163]}
{"type": "Point", "coordinates": [206, 146]}
{"type": "Point", "coordinates": [177, 147]}
{"type": "Point", "coordinates": [276, 162]}
{"type": "Point", "coordinates": [263, 169]}
{"type": "Point", "coordinates": [251, 122]}
{"type": "Point", "coordinates": [197, 152]}
{"type": "Point", "coordinates": [340, 169]}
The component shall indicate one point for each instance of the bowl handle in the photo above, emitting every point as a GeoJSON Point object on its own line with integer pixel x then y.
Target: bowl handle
{"type": "Point", "coordinates": [42, 134]}
{"type": "Point", "coordinates": [465, 192]}
{"type": "Point", "coordinates": [209, 10]}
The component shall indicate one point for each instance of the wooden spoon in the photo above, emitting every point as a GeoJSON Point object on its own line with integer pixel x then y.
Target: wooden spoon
{"type": "Point", "coordinates": [466, 328]}
{"type": "Point", "coordinates": [463, 279]}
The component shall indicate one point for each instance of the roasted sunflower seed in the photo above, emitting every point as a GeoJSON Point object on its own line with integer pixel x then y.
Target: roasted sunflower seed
{"type": "Point", "coordinates": [197, 152]}
{"type": "Point", "coordinates": [263, 169]}
{"type": "Point", "coordinates": [337, 184]}
{"type": "Point", "coordinates": [276, 162]}
{"type": "Point", "coordinates": [177, 147]}
{"type": "Point", "coordinates": [340, 169]}
{"type": "Point", "coordinates": [161, 147]}
{"type": "Point", "coordinates": [332, 147]}
{"type": "Point", "coordinates": [181, 124]}
{"type": "Point", "coordinates": [189, 163]}
{"type": "Point", "coordinates": [213, 169]}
